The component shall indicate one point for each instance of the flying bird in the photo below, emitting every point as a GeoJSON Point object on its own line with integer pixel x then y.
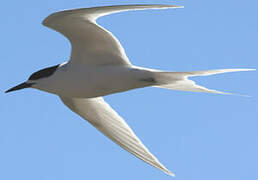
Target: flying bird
{"type": "Point", "coordinates": [98, 66]}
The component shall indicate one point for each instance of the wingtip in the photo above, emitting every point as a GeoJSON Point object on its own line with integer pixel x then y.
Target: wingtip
{"type": "Point", "coordinates": [234, 94]}
{"type": "Point", "coordinates": [240, 69]}
{"type": "Point", "coordinates": [240, 95]}
{"type": "Point", "coordinates": [171, 174]}
{"type": "Point", "coordinates": [175, 6]}
{"type": "Point", "coordinates": [168, 172]}
{"type": "Point", "coordinates": [252, 69]}
{"type": "Point", "coordinates": [247, 69]}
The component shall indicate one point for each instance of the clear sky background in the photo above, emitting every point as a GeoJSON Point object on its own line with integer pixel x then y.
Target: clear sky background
{"type": "Point", "coordinates": [198, 136]}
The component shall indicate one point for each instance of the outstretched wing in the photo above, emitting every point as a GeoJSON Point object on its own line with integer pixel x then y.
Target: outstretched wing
{"type": "Point", "coordinates": [106, 120]}
{"type": "Point", "coordinates": [91, 43]}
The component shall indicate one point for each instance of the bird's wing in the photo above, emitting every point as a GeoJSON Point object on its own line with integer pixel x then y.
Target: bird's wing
{"type": "Point", "coordinates": [91, 43]}
{"type": "Point", "coordinates": [105, 119]}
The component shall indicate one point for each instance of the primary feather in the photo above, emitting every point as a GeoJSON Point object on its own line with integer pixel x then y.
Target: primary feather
{"type": "Point", "coordinates": [91, 43]}
{"type": "Point", "coordinates": [105, 119]}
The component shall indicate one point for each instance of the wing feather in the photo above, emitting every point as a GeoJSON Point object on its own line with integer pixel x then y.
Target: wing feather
{"type": "Point", "coordinates": [91, 43]}
{"type": "Point", "coordinates": [105, 119]}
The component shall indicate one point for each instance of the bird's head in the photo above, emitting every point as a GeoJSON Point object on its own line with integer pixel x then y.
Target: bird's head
{"type": "Point", "coordinates": [32, 81]}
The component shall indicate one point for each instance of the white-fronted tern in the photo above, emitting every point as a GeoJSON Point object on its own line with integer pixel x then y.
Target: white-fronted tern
{"type": "Point", "coordinates": [98, 66]}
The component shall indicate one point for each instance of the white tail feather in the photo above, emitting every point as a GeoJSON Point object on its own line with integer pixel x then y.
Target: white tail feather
{"type": "Point", "coordinates": [180, 81]}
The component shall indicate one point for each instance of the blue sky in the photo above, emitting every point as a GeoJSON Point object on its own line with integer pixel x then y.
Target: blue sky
{"type": "Point", "coordinates": [197, 136]}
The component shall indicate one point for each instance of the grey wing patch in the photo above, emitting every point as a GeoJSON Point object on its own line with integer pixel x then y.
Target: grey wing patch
{"type": "Point", "coordinates": [43, 73]}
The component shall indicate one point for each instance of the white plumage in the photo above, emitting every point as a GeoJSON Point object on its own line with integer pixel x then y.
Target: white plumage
{"type": "Point", "coordinates": [98, 66]}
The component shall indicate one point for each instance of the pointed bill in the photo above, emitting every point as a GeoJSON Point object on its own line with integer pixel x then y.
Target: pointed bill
{"type": "Point", "coordinates": [19, 87]}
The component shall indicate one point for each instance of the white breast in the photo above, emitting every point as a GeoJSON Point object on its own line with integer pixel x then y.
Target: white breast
{"type": "Point", "coordinates": [94, 81]}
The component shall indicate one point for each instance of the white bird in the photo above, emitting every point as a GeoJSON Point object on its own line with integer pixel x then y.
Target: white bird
{"type": "Point", "coordinates": [98, 66]}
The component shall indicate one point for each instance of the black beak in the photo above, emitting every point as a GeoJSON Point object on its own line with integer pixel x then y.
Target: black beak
{"type": "Point", "coordinates": [20, 86]}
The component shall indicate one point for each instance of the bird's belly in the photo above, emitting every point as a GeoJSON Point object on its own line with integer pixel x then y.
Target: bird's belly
{"type": "Point", "coordinates": [88, 90]}
{"type": "Point", "coordinates": [102, 82]}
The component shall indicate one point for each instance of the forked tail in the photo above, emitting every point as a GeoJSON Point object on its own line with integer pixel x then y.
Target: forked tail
{"type": "Point", "coordinates": [180, 81]}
